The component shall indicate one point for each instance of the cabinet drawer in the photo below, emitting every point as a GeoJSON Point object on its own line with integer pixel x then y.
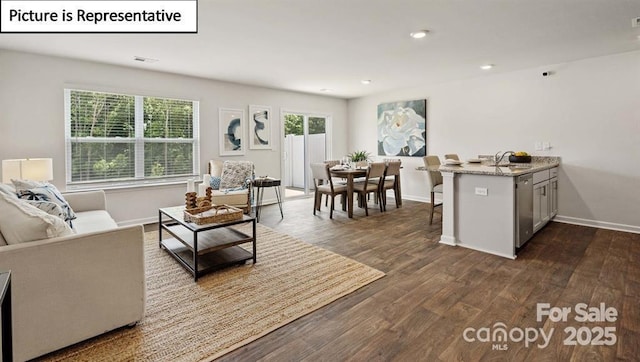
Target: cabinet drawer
{"type": "Point", "coordinates": [553, 172]}
{"type": "Point", "coordinates": [540, 176]}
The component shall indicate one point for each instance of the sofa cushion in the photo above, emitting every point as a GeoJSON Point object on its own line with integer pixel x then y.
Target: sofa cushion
{"type": "Point", "coordinates": [21, 222]}
{"type": "Point", "coordinates": [50, 208]}
{"type": "Point", "coordinates": [215, 182]}
{"type": "Point", "coordinates": [43, 191]}
{"type": "Point", "coordinates": [90, 221]}
{"type": "Point", "coordinates": [215, 168]}
{"type": "Point", "coordinates": [235, 174]}
{"type": "Point", "coordinates": [238, 197]}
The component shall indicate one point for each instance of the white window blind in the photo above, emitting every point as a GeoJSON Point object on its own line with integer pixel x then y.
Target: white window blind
{"type": "Point", "coordinates": [122, 139]}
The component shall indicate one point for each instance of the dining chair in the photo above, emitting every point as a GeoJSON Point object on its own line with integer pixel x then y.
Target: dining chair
{"type": "Point", "coordinates": [332, 163]}
{"type": "Point", "coordinates": [324, 186]}
{"type": "Point", "coordinates": [434, 179]}
{"type": "Point", "coordinates": [391, 181]}
{"type": "Point", "coordinates": [452, 156]}
{"type": "Point", "coordinates": [374, 172]}
{"type": "Point", "coordinates": [336, 180]}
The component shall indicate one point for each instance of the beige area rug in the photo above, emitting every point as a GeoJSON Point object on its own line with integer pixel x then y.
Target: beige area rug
{"type": "Point", "coordinates": [188, 321]}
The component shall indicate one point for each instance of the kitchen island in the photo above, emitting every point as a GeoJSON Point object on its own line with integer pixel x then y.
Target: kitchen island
{"type": "Point", "coordinates": [483, 209]}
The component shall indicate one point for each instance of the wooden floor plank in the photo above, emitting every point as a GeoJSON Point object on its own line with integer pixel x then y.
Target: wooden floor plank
{"type": "Point", "coordinates": [433, 292]}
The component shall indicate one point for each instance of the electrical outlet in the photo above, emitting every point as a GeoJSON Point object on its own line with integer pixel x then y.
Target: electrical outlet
{"type": "Point", "coordinates": [482, 191]}
{"type": "Point", "coordinates": [537, 146]}
{"type": "Point", "coordinates": [546, 145]}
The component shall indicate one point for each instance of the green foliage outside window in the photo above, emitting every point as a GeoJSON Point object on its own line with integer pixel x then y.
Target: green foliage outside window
{"type": "Point", "coordinates": [103, 136]}
{"type": "Point", "coordinates": [293, 125]}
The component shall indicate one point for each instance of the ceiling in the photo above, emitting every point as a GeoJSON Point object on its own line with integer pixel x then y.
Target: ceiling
{"type": "Point", "coordinates": [306, 46]}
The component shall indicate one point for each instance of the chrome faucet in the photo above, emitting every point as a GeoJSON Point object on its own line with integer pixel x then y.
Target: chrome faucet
{"type": "Point", "coordinates": [497, 159]}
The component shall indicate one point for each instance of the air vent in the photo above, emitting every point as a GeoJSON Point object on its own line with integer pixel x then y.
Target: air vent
{"type": "Point", "coordinates": [635, 22]}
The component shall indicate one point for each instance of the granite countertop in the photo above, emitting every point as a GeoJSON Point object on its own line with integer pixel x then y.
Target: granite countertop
{"type": "Point", "coordinates": [538, 163]}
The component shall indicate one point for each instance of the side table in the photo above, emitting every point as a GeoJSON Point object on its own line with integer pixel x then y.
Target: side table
{"type": "Point", "coordinates": [260, 184]}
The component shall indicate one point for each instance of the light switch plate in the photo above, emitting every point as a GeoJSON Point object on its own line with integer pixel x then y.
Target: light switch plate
{"type": "Point", "coordinates": [482, 191]}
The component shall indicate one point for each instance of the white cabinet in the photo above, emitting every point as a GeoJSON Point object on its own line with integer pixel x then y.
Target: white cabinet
{"type": "Point", "coordinates": [545, 197]}
{"type": "Point", "coordinates": [553, 197]}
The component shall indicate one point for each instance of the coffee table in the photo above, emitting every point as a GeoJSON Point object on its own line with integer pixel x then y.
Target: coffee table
{"type": "Point", "coordinates": [204, 248]}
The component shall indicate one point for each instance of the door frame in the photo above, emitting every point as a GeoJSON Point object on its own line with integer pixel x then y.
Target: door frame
{"type": "Point", "coordinates": [328, 131]}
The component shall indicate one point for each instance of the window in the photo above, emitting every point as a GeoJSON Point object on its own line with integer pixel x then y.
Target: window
{"type": "Point", "coordinates": [124, 139]}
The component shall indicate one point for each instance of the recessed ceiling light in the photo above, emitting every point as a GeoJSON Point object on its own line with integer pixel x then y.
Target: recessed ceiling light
{"type": "Point", "coordinates": [366, 81]}
{"type": "Point", "coordinates": [326, 90]}
{"type": "Point", "coordinates": [486, 66]}
{"type": "Point", "coordinates": [419, 34]}
{"type": "Point", "coordinates": [143, 59]}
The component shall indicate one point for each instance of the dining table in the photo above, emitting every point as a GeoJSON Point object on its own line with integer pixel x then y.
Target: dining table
{"type": "Point", "coordinates": [350, 174]}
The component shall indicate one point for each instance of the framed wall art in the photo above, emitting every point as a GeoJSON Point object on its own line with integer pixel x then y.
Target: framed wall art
{"type": "Point", "coordinates": [232, 132]}
{"type": "Point", "coordinates": [402, 128]}
{"type": "Point", "coordinates": [260, 128]}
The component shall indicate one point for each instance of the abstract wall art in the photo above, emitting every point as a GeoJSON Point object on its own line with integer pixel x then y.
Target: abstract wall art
{"type": "Point", "coordinates": [402, 128]}
{"type": "Point", "coordinates": [232, 131]}
{"type": "Point", "coordinates": [260, 128]}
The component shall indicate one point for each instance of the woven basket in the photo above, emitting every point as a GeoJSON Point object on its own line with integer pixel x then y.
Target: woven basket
{"type": "Point", "coordinates": [212, 214]}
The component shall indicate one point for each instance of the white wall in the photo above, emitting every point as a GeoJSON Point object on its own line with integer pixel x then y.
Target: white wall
{"type": "Point", "coordinates": [32, 117]}
{"type": "Point", "coordinates": [589, 110]}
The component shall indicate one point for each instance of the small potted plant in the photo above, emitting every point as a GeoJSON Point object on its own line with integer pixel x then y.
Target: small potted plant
{"type": "Point", "coordinates": [360, 158]}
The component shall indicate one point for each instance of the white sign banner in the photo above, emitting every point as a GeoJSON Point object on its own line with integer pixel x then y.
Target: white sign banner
{"type": "Point", "coordinates": [87, 16]}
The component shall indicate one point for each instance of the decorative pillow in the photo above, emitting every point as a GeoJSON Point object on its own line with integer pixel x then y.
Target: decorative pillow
{"type": "Point", "coordinates": [44, 192]}
{"type": "Point", "coordinates": [8, 190]}
{"type": "Point", "coordinates": [26, 184]}
{"type": "Point", "coordinates": [21, 222]}
{"type": "Point", "coordinates": [235, 173]}
{"type": "Point", "coordinates": [215, 182]}
{"type": "Point", "coordinates": [50, 208]}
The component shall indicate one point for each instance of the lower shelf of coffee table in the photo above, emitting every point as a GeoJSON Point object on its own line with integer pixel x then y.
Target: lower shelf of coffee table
{"type": "Point", "coordinates": [210, 261]}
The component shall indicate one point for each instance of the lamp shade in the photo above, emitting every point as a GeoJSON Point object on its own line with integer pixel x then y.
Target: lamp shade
{"type": "Point", "coordinates": [37, 169]}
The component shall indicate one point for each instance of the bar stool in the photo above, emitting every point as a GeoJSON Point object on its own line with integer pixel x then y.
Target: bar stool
{"type": "Point", "coordinates": [434, 181]}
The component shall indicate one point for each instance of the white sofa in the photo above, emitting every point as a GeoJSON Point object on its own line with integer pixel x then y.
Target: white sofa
{"type": "Point", "coordinates": [71, 288]}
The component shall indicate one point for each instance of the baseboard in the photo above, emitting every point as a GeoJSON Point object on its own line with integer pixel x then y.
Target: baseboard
{"type": "Point", "coordinates": [597, 224]}
{"type": "Point", "coordinates": [448, 240]}
{"type": "Point", "coordinates": [146, 220]}
{"type": "Point", "coordinates": [419, 198]}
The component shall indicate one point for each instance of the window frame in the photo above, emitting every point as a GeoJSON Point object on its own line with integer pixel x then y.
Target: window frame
{"type": "Point", "coordinates": [138, 141]}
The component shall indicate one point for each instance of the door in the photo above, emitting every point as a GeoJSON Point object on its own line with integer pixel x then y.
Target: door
{"type": "Point", "coordinates": [305, 142]}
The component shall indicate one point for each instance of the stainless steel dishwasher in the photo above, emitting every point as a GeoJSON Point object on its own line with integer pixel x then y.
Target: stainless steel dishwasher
{"type": "Point", "coordinates": [524, 209]}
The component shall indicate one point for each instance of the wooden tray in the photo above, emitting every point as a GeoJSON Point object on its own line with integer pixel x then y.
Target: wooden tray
{"type": "Point", "coordinates": [212, 214]}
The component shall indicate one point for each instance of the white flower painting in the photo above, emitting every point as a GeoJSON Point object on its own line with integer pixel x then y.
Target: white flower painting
{"type": "Point", "coordinates": [402, 128]}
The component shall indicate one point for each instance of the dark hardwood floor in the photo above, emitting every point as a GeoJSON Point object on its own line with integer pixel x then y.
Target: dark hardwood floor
{"type": "Point", "coordinates": [431, 293]}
